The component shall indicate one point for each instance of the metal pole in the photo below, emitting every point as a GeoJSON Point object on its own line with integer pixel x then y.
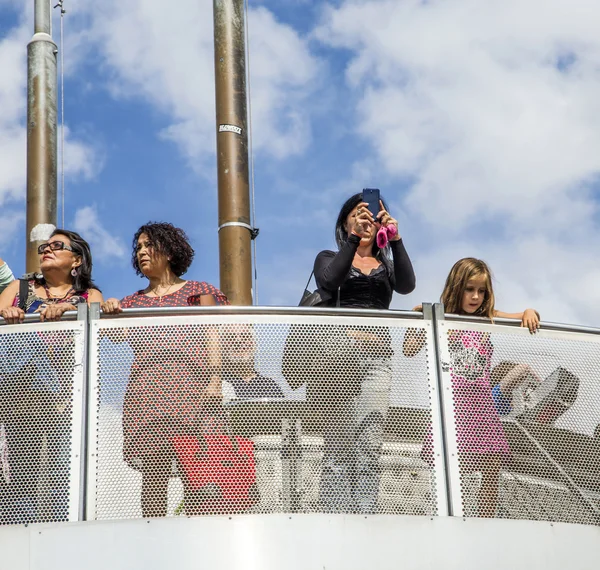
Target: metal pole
{"type": "Point", "coordinates": [453, 480]}
{"type": "Point", "coordinates": [232, 152]}
{"type": "Point", "coordinates": [41, 129]}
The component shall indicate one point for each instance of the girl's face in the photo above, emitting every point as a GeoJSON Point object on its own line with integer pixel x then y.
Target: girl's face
{"type": "Point", "coordinates": [474, 294]}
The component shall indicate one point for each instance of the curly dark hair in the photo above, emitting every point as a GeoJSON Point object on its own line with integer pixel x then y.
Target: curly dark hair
{"type": "Point", "coordinates": [168, 240]}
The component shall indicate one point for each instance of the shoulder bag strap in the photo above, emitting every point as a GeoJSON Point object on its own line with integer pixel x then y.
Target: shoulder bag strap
{"type": "Point", "coordinates": [308, 282]}
{"type": "Point", "coordinates": [23, 293]}
{"type": "Point", "coordinates": [337, 303]}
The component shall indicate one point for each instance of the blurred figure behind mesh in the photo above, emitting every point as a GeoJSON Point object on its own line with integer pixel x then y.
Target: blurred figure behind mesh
{"type": "Point", "coordinates": [241, 380]}
{"type": "Point", "coordinates": [563, 394]}
{"type": "Point", "coordinates": [360, 275]}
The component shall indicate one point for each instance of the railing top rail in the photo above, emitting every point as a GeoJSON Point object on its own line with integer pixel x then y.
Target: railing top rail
{"type": "Point", "coordinates": [35, 318]}
{"type": "Point", "coordinates": [307, 311]}
{"type": "Point", "coordinates": [254, 310]}
{"type": "Point", "coordinates": [516, 323]}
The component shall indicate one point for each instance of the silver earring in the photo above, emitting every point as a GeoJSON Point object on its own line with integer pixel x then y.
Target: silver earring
{"type": "Point", "coordinates": [74, 272]}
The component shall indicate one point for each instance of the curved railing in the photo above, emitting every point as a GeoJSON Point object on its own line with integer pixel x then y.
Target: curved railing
{"type": "Point", "coordinates": [90, 406]}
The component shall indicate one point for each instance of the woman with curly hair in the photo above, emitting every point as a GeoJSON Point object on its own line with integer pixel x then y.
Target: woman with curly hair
{"type": "Point", "coordinates": [173, 376]}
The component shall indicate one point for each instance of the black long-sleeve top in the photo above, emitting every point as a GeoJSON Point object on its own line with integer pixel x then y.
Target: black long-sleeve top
{"type": "Point", "coordinates": [357, 290]}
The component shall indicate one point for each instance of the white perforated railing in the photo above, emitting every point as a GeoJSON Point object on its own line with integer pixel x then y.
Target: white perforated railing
{"type": "Point", "coordinates": [334, 414]}
{"type": "Point", "coordinates": [523, 416]}
{"type": "Point", "coordinates": [41, 400]}
{"type": "Point", "coordinates": [229, 410]}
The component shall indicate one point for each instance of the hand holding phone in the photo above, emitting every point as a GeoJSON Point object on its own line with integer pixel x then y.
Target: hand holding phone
{"type": "Point", "coordinates": [372, 196]}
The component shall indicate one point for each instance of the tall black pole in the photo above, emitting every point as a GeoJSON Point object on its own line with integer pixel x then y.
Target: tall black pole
{"type": "Point", "coordinates": [232, 152]}
{"type": "Point", "coordinates": [41, 130]}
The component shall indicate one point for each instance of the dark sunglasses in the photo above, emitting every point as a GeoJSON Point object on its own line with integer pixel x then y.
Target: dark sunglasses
{"type": "Point", "coordinates": [54, 246]}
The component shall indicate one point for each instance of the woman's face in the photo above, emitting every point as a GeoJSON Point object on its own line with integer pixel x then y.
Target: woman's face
{"type": "Point", "coordinates": [58, 260]}
{"type": "Point", "coordinates": [369, 234]}
{"type": "Point", "coordinates": [474, 294]}
{"type": "Point", "coordinates": [151, 261]}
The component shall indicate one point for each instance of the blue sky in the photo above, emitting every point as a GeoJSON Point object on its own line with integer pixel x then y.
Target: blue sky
{"type": "Point", "coordinates": [479, 122]}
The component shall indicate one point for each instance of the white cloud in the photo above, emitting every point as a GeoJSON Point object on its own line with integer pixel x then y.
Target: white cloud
{"type": "Point", "coordinates": [13, 103]}
{"type": "Point", "coordinates": [10, 222]}
{"type": "Point", "coordinates": [80, 158]}
{"type": "Point", "coordinates": [282, 75]}
{"type": "Point", "coordinates": [473, 102]}
{"type": "Point", "coordinates": [165, 57]}
{"type": "Point", "coordinates": [104, 245]}
{"type": "Point", "coordinates": [491, 112]}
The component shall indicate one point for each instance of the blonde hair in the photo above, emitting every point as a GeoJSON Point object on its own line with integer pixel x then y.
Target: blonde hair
{"type": "Point", "coordinates": [461, 273]}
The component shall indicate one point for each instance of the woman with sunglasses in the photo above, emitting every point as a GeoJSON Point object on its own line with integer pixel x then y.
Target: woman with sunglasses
{"type": "Point", "coordinates": [36, 382]}
{"type": "Point", "coordinates": [65, 281]}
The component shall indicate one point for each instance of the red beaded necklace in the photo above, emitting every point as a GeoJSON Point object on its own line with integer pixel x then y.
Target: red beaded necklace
{"type": "Point", "coordinates": [54, 299]}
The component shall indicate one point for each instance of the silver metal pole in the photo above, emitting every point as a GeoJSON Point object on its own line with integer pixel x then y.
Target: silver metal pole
{"type": "Point", "coordinates": [41, 129]}
{"type": "Point", "coordinates": [43, 17]}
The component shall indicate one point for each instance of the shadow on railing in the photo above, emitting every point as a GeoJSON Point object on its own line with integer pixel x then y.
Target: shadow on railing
{"type": "Point", "coordinates": [317, 411]}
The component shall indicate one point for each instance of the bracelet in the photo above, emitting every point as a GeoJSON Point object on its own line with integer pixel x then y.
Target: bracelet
{"type": "Point", "coordinates": [353, 233]}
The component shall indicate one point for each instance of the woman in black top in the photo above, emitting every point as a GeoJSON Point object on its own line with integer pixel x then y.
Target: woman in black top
{"type": "Point", "coordinates": [361, 276]}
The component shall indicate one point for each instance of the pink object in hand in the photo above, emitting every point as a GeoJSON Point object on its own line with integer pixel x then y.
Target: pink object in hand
{"type": "Point", "coordinates": [382, 238]}
{"type": "Point", "coordinates": [384, 234]}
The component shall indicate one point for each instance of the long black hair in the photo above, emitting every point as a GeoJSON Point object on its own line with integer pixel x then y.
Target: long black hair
{"type": "Point", "coordinates": [82, 280]}
{"type": "Point", "coordinates": [168, 240]}
{"type": "Point", "coordinates": [341, 233]}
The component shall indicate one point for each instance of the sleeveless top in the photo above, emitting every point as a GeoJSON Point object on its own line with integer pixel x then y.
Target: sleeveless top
{"type": "Point", "coordinates": [33, 301]}
{"type": "Point", "coordinates": [188, 295]}
{"type": "Point", "coordinates": [372, 291]}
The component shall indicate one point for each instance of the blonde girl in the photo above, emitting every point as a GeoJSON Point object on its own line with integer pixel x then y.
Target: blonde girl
{"type": "Point", "coordinates": [469, 291]}
{"type": "Point", "coordinates": [481, 442]}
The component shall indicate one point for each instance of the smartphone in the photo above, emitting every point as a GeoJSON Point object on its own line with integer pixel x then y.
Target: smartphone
{"type": "Point", "coordinates": [372, 196]}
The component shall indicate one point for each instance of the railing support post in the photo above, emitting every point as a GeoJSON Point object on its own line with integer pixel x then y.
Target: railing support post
{"type": "Point", "coordinates": [87, 314]}
{"type": "Point", "coordinates": [453, 481]}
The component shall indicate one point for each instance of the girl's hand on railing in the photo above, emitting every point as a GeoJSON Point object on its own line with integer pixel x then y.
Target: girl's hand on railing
{"type": "Point", "coordinates": [111, 306]}
{"type": "Point", "coordinates": [13, 315]}
{"type": "Point", "coordinates": [531, 320]}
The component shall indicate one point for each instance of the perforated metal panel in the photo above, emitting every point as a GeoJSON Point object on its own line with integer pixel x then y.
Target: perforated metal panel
{"type": "Point", "coordinates": [325, 415]}
{"type": "Point", "coordinates": [523, 419]}
{"type": "Point", "coordinates": [41, 380]}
